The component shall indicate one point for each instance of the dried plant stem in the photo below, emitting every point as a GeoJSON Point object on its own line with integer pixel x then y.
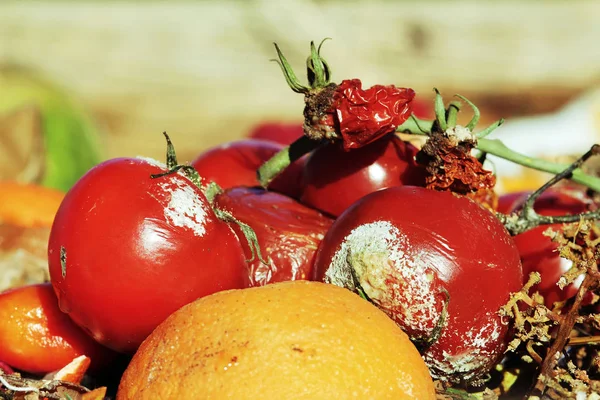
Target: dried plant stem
{"type": "Point", "coordinates": [583, 340]}
{"type": "Point", "coordinates": [526, 218]}
{"type": "Point", "coordinates": [565, 327]}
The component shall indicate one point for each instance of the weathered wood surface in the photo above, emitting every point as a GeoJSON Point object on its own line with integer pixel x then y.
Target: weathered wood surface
{"type": "Point", "coordinates": [201, 70]}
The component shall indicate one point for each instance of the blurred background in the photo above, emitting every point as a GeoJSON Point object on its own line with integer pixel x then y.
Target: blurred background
{"type": "Point", "coordinates": [82, 81]}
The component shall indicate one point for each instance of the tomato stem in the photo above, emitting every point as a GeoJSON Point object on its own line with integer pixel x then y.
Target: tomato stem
{"type": "Point", "coordinates": [211, 191]}
{"type": "Point", "coordinates": [171, 156]}
{"type": "Point", "coordinates": [440, 111]}
{"type": "Point", "coordinates": [489, 129]}
{"type": "Point", "coordinates": [497, 148]}
{"type": "Point", "coordinates": [288, 72]}
{"type": "Point", "coordinates": [189, 171]}
{"type": "Point", "coordinates": [248, 232]}
{"type": "Point", "coordinates": [416, 126]}
{"type": "Point", "coordinates": [476, 114]}
{"type": "Point", "coordinates": [317, 69]}
{"type": "Point", "coordinates": [282, 159]}
{"type": "Point", "coordinates": [453, 109]}
{"type": "Point", "coordinates": [527, 218]}
{"type": "Point", "coordinates": [582, 340]}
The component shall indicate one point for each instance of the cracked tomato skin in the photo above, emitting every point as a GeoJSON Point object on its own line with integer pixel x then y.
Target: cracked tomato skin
{"type": "Point", "coordinates": [415, 252]}
{"type": "Point", "coordinates": [289, 233]}
{"type": "Point", "coordinates": [335, 178]}
{"type": "Point", "coordinates": [127, 250]}
{"type": "Point", "coordinates": [538, 252]}
{"type": "Point", "coordinates": [235, 163]}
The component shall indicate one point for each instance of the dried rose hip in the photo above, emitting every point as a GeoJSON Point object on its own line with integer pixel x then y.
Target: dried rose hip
{"type": "Point", "coordinates": [362, 116]}
{"type": "Point", "coordinates": [344, 113]}
{"type": "Point", "coordinates": [438, 264]}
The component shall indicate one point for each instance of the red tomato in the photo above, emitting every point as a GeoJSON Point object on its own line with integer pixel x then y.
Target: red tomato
{"type": "Point", "coordinates": [289, 233]}
{"type": "Point", "coordinates": [538, 252]}
{"type": "Point", "coordinates": [508, 202]}
{"type": "Point", "coordinates": [127, 250]}
{"type": "Point", "coordinates": [334, 178]}
{"type": "Point", "coordinates": [235, 163]}
{"type": "Point", "coordinates": [278, 132]}
{"type": "Point", "coordinates": [415, 250]}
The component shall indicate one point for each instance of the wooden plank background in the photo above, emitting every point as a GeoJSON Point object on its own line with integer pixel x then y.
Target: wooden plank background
{"type": "Point", "coordinates": [201, 70]}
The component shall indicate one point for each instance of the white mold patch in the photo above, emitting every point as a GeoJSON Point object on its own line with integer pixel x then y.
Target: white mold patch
{"type": "Point", "coordinates": [393, 278]}
{"type": "Point", "coordinates": [460, 133]}
{"type": "Point", "coordinates": [185, 208]}
{"type": "Point", "coordinates": [479, 348]}
{"type": "Point", "coordinates": [154, 162]}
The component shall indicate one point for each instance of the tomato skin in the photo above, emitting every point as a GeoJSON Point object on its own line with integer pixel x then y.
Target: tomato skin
{"type": "Point", "coordinates": [127, 250]}
{"type": "Point", "coordinates": [37, 337]}
{"type": "Point", "coordinates": [509, 202]}
{"type": "Point", "coordinates": [334, 178]}
{"type": "Point", "coordinates": [289, 233]}
{"type": "Point", "coordinates": [278, 132]}
{"type": "Point", "coordinates": [235, 163]}
{"type": "Point", "coordinates": [405, 244]}
{"type": "Point", "coordinates": [538, 252]}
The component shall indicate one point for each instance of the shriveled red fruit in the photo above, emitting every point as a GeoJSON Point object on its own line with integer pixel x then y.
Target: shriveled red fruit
{"type": "Point", "coordinates": [365, 115]}
{"type": "Point", "coordinates": [346, 112]}
{"type": "Point", "coordinates": [278, 132]}
{"type": "Point", "coordinates": [538, 252]}
{"type": "Point", "coordinates": [288, 232]}
{"type": "Point", "coordinates": [335, 178]}
{"type": "Point", "coordinates": [126, 250]}
{"type": "Point", "coordinates": [438, 264]}
{"type": "Point", "coordinates": [235, 163]}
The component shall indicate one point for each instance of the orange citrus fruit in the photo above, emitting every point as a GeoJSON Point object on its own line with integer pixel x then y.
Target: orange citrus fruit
{"type": "Point", "coordinates": [28, 205]}
{"type": "Point", "coordinates": [286, 340]}
{"type": "Point", "coordinates": [37, 337]}
{"type": "Point", "coordinates": [26, 215]}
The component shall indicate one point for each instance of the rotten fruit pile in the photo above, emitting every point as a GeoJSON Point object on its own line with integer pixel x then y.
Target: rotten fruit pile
{"type": "Point", "coordinates": [366, 253]}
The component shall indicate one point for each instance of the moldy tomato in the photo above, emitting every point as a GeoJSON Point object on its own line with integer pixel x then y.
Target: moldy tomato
{"type": "Point", "coordinates": [335, 178]}
{"type": "Point", "coordinates": [126, 250]}
{"type": "Point", "coordinates": [289, 233]}
{"type": "Point", "coordinates": [438, 264]}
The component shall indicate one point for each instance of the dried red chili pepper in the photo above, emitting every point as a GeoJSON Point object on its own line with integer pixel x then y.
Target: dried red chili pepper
{"type": "Point", "coordinates": [344, 112]}
{"type": "Point", "coordinates": [363, 116]}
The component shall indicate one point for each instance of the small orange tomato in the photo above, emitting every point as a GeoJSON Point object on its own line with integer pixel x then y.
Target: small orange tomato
{"type": "Point", "coordinates": [37, 337]}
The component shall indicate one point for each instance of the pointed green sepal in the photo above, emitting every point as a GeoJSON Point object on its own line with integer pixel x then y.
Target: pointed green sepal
{"type": "Point", "coordinates": [288, 73]}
